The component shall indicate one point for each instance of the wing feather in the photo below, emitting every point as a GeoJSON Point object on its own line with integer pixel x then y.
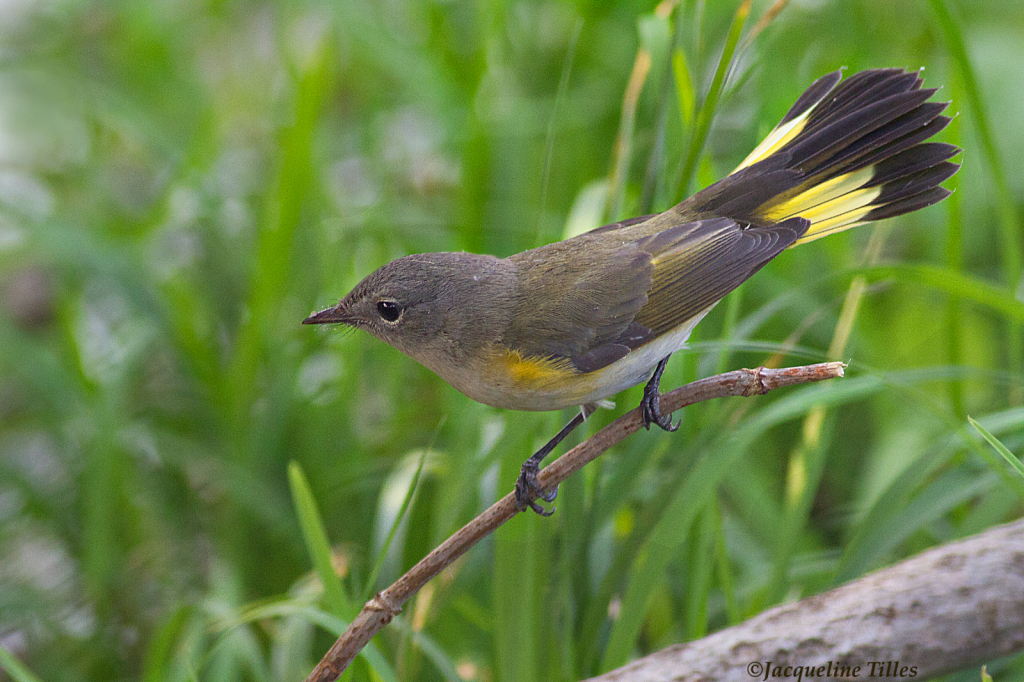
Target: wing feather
{"type": "Point", "coordinates": [604, 297]}
{"type": "Point", "coordinates": [697, 264]}
{"type": "Point", "coordinates": [578, 295]}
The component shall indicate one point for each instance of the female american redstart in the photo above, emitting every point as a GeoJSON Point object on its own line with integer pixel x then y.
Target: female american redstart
{"type": "Point", "coordinates": [571, 323]}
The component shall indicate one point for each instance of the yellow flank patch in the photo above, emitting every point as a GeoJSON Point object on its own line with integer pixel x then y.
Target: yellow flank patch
{"type": "Point", "coordinates": [534, 372]}
{"type": "Point", "coordinates": [820, 194]}
{"type": "Point", "coordinates": [776, 140]}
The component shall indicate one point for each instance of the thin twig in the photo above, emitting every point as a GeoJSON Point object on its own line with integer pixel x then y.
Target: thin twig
{"type": "Point", "coordinates": [379, 611]}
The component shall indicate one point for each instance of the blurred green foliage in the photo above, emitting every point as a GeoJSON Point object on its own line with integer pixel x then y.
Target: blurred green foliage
{"type": "Point", "coordinates": [182, 182]}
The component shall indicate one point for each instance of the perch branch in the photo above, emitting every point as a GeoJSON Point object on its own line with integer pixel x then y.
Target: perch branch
{"type": "Point", "coordinates": [379, 611]}
{"type": "Point", "coordinates": [951, 607]}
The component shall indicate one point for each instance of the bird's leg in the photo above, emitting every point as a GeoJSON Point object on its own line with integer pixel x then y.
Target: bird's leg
{"type": "Point", "coordinates": [528, 489]}
{"type": "Point", "coordinates": [651, 404]}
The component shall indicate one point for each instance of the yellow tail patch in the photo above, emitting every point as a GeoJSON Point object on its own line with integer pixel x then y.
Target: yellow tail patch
{"type": "Point", "coordinates": [809, 166]}
{"type": "Point", "coordinates": [831, 206]}
{"type": "Point", "coordinates": [818, 195]}
{"type": "Point", "coordinates": [776, 140]}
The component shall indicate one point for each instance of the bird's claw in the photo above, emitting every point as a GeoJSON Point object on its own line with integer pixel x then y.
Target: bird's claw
{"type": "Point", "coordinates": [528, 491]}
{"type": "Point", "coordinates": [650, 411]}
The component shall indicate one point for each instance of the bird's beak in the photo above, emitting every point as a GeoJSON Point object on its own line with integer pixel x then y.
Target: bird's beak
{"type": "Point", "coordinates": [329, 316]}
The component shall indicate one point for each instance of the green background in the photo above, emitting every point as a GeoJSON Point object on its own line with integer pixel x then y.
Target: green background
{"type": "Point", "coordinates": [181, 182]}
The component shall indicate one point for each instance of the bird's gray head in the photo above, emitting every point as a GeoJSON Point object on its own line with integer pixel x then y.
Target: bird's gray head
{"type": "Point", "coordinates": [434, 306]}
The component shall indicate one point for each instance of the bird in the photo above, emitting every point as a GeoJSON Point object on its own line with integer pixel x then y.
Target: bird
{"type": "Point", "coordinates": [574, 322]}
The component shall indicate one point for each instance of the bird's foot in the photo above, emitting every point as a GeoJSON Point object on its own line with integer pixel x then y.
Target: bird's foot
{"type": "Point", "coordinates": [528, 490]}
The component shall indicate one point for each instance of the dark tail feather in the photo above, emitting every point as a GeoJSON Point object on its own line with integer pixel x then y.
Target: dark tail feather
{"type": "Point", "coordinates": [846, 153]}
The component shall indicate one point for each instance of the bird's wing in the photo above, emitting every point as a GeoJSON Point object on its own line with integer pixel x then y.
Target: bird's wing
{"type": "Point", "coordinates": [594, 298]}
{"type": "Point", "coordinates": [577, 300]}
{"type": "Point", "coordinates": [696, 264]}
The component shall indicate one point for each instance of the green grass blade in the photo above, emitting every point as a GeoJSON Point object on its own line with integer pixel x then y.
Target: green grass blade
{"type": "Point", "coordinates": [809, 458]}
{"type": "Point", "coordinates": [706, 114]}
{"type": "Point", "coordinates": [954, 257]}
{"type": "Point", "coordinates": [684, 87]}
{"type": "Point", "coordinates": [519, 586]}
{"type": "Point", "coordinates": [317, 543]}
{"type": "Point", "coordinates": [624, 477]}
{"type": "Point", "coordinates": [624, 139]}
{"type": "Point", "coordinates": [433, 651]}
{"type": "Point", "coordinates": [1010, 227]}
{"type": "Point", "coordinates": [54, 385]}
{"type": "Point", "coordinates": [282, 216]}
{"type": "Point", "coordinates": [543, 236]}
{"type": "Point", "coordinates": [652, 30]}
{"type": "Point", "coordinates": [1009, 224]}
{"type": "Point", "coordinates": [868, 545]}
{"type": "Point", "coordinates": [723, 569]}
{"type": "Point", "coordinates": [1004, 451]}
{"type": "Point", "coordinates": [18, 671]}
{"type": "Point", "coordinates": [701, 570]}
{"type": "Point", "coordinates": [399, 517]}
{"type": "Point", "coordinates": [947, 492]}
{"type": "Point", "coordinates": [654, 179]}
{"type": "Point", "coordinates": [944, 279]}
{"type": "Point", "coordinates": [107, 476]}
{"type": "Point", "coordinates": [807, 461]}
{"type": "Point", "coordinates": [164, 643]}
{"type": "Point", "coordinates": [733, 304]}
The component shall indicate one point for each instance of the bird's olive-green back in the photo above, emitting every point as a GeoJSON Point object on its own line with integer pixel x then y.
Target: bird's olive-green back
{"type": "Point", "coordinates": [596, 297]}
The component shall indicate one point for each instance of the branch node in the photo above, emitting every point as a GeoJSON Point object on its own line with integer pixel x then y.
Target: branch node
{"type": "Point", "coordinates": [383, 603]}
{"type": "Point", "coordinates": [762, 387]}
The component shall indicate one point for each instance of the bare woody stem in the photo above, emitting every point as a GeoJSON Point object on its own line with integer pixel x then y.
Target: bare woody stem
{"type": "Point", "coordinates": [379, 611]}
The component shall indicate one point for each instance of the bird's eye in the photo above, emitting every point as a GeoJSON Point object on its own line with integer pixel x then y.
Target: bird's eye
{"type": "Point", "coordinates": [389, 310]}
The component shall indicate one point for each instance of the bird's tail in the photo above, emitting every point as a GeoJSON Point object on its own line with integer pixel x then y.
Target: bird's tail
{"type": "Point", "coordinates": [846, 153]}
